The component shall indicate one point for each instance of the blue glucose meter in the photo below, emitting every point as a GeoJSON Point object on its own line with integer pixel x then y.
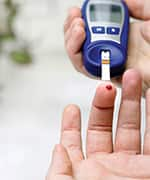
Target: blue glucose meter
{"type": "Point", "coordinates": [107, 28]}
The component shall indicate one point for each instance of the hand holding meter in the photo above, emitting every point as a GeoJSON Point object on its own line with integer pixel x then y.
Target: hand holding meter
{"type": "Point", "coordinates": [105, 47]}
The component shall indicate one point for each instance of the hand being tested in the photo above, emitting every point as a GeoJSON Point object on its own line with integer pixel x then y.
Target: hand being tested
{"type": "Point", "coordinates": [105, 161]}
{"type": "Point", "coordinates": [139, 39]}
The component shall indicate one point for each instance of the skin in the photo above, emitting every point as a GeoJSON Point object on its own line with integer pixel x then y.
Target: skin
{"type": "Point", "coordinates": [139, 40]}
{"type": "Point", "coordinates": [105, 160]}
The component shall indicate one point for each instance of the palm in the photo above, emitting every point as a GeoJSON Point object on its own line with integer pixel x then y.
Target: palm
{"type": "Point", "coordinates": [113, 167]}
{"type": "Point", "coordinates": [139, 52]}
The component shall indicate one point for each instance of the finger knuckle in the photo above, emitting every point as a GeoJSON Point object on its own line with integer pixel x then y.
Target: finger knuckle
{"type": "Point", "coordinates": [78, 21]}
{"type": "Point", "coordinates": [129, 125]}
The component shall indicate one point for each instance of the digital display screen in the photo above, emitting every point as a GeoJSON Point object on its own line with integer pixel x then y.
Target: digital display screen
{"type": "Point", "coordinates": [105, 13]}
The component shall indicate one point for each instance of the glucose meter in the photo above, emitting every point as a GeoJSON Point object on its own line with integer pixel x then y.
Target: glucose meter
{"type": "Point", "coordinates": [105, 47]}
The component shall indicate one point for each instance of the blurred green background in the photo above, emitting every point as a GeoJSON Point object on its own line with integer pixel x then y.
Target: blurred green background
{"type": "Point", "coordinates": [9, 11]}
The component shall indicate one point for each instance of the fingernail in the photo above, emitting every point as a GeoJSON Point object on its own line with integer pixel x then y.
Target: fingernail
{"type": "Point", "coordinates": [109, 87]}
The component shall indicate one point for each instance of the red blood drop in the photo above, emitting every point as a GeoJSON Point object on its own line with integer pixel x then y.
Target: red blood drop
{"type": "Point", "coordinates": [109, 87]}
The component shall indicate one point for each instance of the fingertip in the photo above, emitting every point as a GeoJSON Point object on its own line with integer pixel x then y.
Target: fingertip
{"type": "Point", "coordinates": [106, 88]}
{"type": "Point", "coordinates": [72, 109]}
{"type": "Point", "coordinates": [71, 118]}
{"type": "Point", "coordinates": [105, 95]}
{"type": "Point", "coordinates": [132, 71]}
{"type": "Point", "coordinates": [132, 77]}
{"type": "Point", "coordinates": [135, 7]}
{"type": "Point", "coordinates": [74, 11]}
{"type": "Point", "coordinates": [132, 85]}
{"type": "Point", "coordinates": [139, 9]}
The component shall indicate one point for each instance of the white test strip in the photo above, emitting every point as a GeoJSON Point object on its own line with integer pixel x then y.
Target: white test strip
{"type": "Point", "coordinates": [105, 59]}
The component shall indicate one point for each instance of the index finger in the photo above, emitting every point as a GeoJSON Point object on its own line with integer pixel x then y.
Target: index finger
{"type": "Point", "coordinates": [73, 13]}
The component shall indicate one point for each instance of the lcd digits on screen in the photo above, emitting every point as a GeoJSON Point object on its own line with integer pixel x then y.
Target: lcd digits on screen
{"type": "Point", "coordinates": [105, 13]}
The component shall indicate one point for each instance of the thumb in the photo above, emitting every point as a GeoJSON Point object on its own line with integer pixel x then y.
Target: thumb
{"type": "Point", "coordinates": [61, 167]}
{"type": "Point", "coordinates": [139, 8]}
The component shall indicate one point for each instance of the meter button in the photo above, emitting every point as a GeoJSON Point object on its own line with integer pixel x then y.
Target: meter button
{"type": "Point", "coordinates": [98, 30]}
{"type": "Point", "coordinates": [113, 30]}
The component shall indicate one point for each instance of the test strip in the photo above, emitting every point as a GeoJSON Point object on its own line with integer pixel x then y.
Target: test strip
{"type": "Point", "coordinates": [105, 60]}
